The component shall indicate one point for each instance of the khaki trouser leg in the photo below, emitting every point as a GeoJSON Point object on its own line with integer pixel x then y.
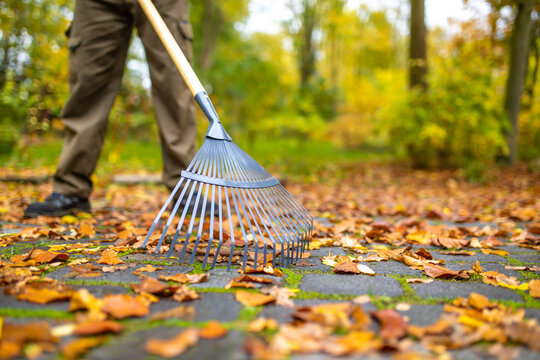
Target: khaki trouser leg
{"type": "Point", "coordinates": [173, 102]}
{"type": "Point", "coordinates": [98, 42]}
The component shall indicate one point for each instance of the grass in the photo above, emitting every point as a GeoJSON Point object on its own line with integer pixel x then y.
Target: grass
{"type": "Point", "coordinates": [290, 158]}
{"type": "Point", "coordinates": [36, 313]}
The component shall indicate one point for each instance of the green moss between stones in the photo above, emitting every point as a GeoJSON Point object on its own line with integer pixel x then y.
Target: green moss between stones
{"type": "Point", "coordinates": [35, 313]}
{"type": "Point", "coordinates": [249, 313]}
{"type": "Point", "coordinates": [85, 282]}
{"type": "Point", "coordinates": [293, 278]}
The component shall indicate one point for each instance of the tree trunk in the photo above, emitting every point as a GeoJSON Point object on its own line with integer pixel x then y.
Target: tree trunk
{"type": "Point", "coordinates": [418, 59]}
{"type": "Point", "coordinates": [212, 24]}
{"type": "Point", "coordinates": [307, 47]}
{"type": "Point", "coordinates": [519, 51]}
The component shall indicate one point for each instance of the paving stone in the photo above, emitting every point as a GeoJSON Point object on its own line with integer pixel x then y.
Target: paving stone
{"type": "Point", "coordinates": [422, 315]}
{"type": "Point", "coordinates": [211, 306]}
{"type": "Point", "coordinates": [317, 265]}
{"type": "Point", "coordinates": [131, 346]}
{"type": "Point", "coordinates": [279, 313]}
{"type": "Point", "coordinates": [326, 250]}
{"type": "Point", "coordinates": [102, 290]}
{"type": "Point", "coordinates": [450, 289]}
{"type": "Point", "coordinates": [533, 314]}
{"type": "Point", "coordinates": [351, 284]}
{"type": "Point", "coordinates": [518, 249]}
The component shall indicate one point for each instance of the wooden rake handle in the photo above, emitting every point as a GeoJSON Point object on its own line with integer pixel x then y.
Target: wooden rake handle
{"type": "Point", "coordinates": [178, 57]}
{"type": "Point", "coordinates": [215, 129]}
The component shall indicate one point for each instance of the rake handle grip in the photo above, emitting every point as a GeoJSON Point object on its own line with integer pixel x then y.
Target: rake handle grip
{"type": "Point", "coordinates": [215, 129]}
{"type": "Point", "coordinates": [178, 57]}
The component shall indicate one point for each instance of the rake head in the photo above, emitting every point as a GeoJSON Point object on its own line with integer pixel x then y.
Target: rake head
{"type": "Point", "coordinates": [228, 208]}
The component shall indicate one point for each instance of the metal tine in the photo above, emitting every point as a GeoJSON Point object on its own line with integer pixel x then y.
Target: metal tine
{"type": "Point", "coordinates": [242, 171]}
{"type": "Point", "coordinates": [211, 230]}
{"type": "Point", "coordinates": [186, 208]}
{"type": "Point", "coordinates": [305, 216]}
{"type": "Point", "coordinates": [204, 171]}
{"type": "Point", "coordinates": [291, 222]}
{"type": "Point", "coordinates": [238, 176]}
{"type": "Point", "coordinates": [231, 176]}
{"type": "Point", "coordinates": [160, 214]}
{"type": "Point", "coordinates": [295, 220]}
{"type": "Point", "coordinates": [220, 204]}
{"type": "Point", "coordinates": [302, 215]}
{"type": "Point", "coordinates": [193, 163]}
{"type": "Point", "coordinates": [272, 205]}
{"type": "Point", "coordinates": [221, 171]}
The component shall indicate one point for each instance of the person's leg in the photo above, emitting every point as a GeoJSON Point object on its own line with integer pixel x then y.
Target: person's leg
{"type": "Point", "coordinates": [173, 102]}
{"type": "Point", "coordinates": [99, 39]}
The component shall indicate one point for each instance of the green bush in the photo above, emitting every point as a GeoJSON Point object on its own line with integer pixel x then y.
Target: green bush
{"type": "Point", "coordinates": [458, 123]}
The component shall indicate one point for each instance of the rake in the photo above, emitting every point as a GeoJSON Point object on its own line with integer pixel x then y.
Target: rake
{"type": "Point", "coordinates": [229, 206]}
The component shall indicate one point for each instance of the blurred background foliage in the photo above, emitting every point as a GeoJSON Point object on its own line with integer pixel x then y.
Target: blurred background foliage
{"type": "Point", "coordinates": [331, 86]}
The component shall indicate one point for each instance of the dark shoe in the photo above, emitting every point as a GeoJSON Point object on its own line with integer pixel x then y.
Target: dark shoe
{"type": "Point", "coordinates": [57, 205]}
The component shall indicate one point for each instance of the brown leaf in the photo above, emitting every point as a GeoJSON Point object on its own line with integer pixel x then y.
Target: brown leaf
{"type": "Point", "coordinates": [184, 293]}
{"type": "Point", "coordinates": [43, 292]}
{"type": "Point", "coordinates": [75, 348]}
{"type": "Point", "coordinates": [424, 253]}
{"type": "Point", "coordinates": [180, 312]}
{"type": "Point", "coordinates": [253, 299]}
{"type": "Point", "coordinates": [346, 267]}
{"type": "Point", "coordinates": [263, 270]}
{"type": "Point", "coordinates": [437, 272]}
{"type": "Point", "coordinates": [42, 256]}
{"type": "Point", "coordinates": [186, 278]}
{"type": "Point", "coordinates": [478, 301]}
{"type": "Point", "coordinates": [235, 284]}
{"type": "Point", "coordinates": [261, 324]}
{"type": "Point", "coordinates": [393, 325]}
{"type": "Point", "coordinates": [123, 305]}
{"type": "Point", "coordinates": [534, 288]}
{"type": "Point", "coordinates": [173, 347]}
{"type": "Point", "coordinates": [212, 330]}
{"type": "Point", "coordinates": [282, 295]}
{"type": "Point", "coordinates": [109, 257]}
{"type": "Point", "coordinates": [97, 327]}
{"type": "Point", "coordinates": [418, 281]}
{"type": "Point", "coordinates": [153, 286]}
{"type": "Point", "coordinates": [86, 230]}
{"type": "Point", "coordinates": [147, 268]}
{"type": "Point", "coordinates": [457, 252]}
{"type": "Point", "coordinates": [110, 269]}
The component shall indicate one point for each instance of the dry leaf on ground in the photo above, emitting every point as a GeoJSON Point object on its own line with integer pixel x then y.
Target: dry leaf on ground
{"type": "Point", "coordinates": [75, 348]}
{"type": "Point", "coordinates": [123, 305]}
{"type": "Point", "coordinates": [212, 330]}
{"type": "Point", "coordinates": [253, 299]}
{"type": "Point", "coordinates": [174, 346]}
{"type": "Point", "coordinates": [109, 257]}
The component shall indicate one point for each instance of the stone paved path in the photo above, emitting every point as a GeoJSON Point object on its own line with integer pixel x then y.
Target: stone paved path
{"type": "Point", "coordinates": [317, 284]}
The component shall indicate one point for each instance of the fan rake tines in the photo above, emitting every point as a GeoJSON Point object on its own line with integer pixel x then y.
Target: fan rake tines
{"type": "Point", "coordinates": [232, 202]}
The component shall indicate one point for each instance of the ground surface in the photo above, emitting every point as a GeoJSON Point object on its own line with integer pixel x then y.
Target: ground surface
{"type": "Point", "coordinates": [477, 239]}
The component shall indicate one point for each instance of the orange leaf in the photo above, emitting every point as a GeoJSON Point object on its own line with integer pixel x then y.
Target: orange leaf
{"type": "Point", "coordinates": [184, 293]}
{"type": "Point", "coordinates": [253, 299]}
{"type": "Point", "coordinates": [186, 278]}
{"type": "Point", "coordinates": [86, 230]}
{"type": "Point", "coordinates": [534, 288]}
{"type": "Point", "coordinates": [123, 305]}
{"type": "Point", "coordinates": [393, 325]}
{"type": "Point", "coordinates": [109, 257]}
{"type": "Point", "coordinates": [77, 347]}
{"type": "Point", "coordinates": [213, 330]}
{"type": "Point", "coordinates": [172, 347]}
{"type": "Point", "coordinates": [97, 327]}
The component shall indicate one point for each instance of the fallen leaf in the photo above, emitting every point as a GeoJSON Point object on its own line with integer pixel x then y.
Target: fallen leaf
{"type": "Point", "coordinates": [478, 301]}
{"type": "Point", "coordinates": [109, 257]}
{"type": "Point", "coordinates": [418, 281]}
{"type": "Point", "coordinates": [261, 324]}
{"type": "Point", "coordinates": [534, 288]}
{"type": "Point", "coordinates": [282, 295]}
{"type": "Point", "coordinates": [248, 298]}
{"type": "Point", "coordinates": [457, 252]}
{"type": "Point", "coordinates": [186, 278]}
{"type": "Point", "coordinates": [393, 324]}
{"type": "Point", "coordinates": [184, 293]}
{"type": "Point", "coordinates": [437, 272]}
{"type": "Point", "coordinates": [180, 312]}
{"type": "Point", "coordinates": [77, 347]}
{"type": "Point", "coordinates": [212, 330]}
{"type": "Point", "coordinates": [174, 346]}
{"type": "Point", "coordinates": [86, 230]}
{"type": "Point", "coordinates": [97, 327]}
{"type": "Point", "coordinates": [495, 252]}
{"type": "Point", "coordinates": [122, 305]}
{"type": "Point", "coordinates": [111, 269]}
